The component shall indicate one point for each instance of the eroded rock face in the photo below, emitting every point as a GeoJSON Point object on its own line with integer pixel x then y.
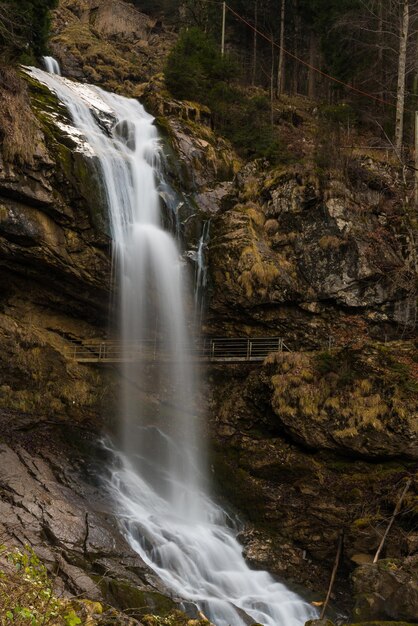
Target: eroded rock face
{"type": "Point", "coordinates": [363, 401]}
{"type": "Point", "coordinates": [54, 271]}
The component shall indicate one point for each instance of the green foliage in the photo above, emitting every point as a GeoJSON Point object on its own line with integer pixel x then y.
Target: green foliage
{"type": "Point", "coordinates": [26, 594]}
{"type": "Point", "coordinates": [323, 15]}
{"type": "Point", "coordinates": [341, 364]}
{"type": "Point", "coordinates": [24, 27]}
{"type": "Point", "coordinates": [195, 67]}
{"type": "Point", "coordinates": [399, 374]}
{"type": "Point", "coordinates": [195, 70]}
{"type": "Point", "coordinates": [338, 114]}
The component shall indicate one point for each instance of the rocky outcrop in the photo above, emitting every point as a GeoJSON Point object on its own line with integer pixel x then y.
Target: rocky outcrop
{"type": "Point", "coordinates": [54, 270]}
{"type": "Point", "coordinates": [109, 43]}
{"type": "Point", "coordinates": [307, 257]}
{"type": "Point", "coordinates": [359, 401]}
{"type": "Point", "coordinates": [387, 590]}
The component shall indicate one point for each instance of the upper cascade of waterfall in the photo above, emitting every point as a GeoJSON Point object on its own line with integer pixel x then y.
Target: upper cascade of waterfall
{"type": "Point", "coordinates": [52, 65]}
{"type": "Point", "coordinates": [159, 478]}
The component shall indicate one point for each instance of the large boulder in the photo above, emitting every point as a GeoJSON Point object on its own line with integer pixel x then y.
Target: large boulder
{"type": "Point", "coordinates": [387, 590]}
{"type": "Point", "coordinates": [362, 400]}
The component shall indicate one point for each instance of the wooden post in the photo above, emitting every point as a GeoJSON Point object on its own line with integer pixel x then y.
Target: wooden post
{"type": "Point", "coordinates": [223, 28]}
{"type": "Point", "coordinates": [272, 83]}
{"type": "Point", "coordinates": [392, 519]}
{"type": "Point", "coordinates": [333, 575]}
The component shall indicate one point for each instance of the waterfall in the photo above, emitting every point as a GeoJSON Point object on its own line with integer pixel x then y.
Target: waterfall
{"type": "Point", "coordinates": [158, 481]}
{"type": "Point", "coordinates": [51, 65]}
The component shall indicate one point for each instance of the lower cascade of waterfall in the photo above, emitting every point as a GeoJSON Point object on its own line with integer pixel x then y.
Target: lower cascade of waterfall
{"type": "Point", "coordinates": [159, 478]}
{"type": "Point", "coordinates": [201, 559]}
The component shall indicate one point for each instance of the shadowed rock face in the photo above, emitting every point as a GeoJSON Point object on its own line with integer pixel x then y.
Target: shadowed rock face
{"type": "Point", "coordinates": [54, 271]}
{"type": "Point", "coordinates": [312, 444]}
{"type": "Point", "coordinates": [51, 499]}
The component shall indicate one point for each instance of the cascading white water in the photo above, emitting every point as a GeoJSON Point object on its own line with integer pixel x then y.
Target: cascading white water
{"type": "Point", "coordinates": [52, 65]}
{"type": "Point", "coordinates": [201, 272]}
{"type": "Point", "coordinates": [158, 481]}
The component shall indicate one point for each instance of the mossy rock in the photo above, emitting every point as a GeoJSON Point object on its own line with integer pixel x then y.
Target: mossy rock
{"type": "Point", "coordinates": [174, 618]}
{"type": "Point", "coordinates": [140, 602]}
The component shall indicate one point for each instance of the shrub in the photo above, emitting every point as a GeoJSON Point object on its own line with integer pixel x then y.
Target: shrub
{"type": "Point", "coordinates": [26, 595]}
{"type": "Point", "coordinates": [195, 67]}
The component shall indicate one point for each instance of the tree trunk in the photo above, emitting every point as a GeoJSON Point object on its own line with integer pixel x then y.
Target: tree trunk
{"type": "Point", "coordinates": [400, 101]}
{"type": "Point", "coordinates": [313, 47]}
{"type": "Point", "coordinates": [296, 66]}
{"type": "Point", "coordinates": [255, 43]}
{"type": "Point", "coordinates": [280, 71]}
{"type": "Point", "coordinates": [380, 49]}
{"type": "Point", "coordinates": [272, 82]}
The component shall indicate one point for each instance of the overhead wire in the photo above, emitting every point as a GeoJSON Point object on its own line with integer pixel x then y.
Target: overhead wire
{"type": "Point", "coordinates": [301, 61]}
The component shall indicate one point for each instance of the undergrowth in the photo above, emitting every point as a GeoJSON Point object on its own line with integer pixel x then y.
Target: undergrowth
{"type": "Point", "coordinates": [19, 130]}
{"type": "Point", "coordinates": [26, 593]}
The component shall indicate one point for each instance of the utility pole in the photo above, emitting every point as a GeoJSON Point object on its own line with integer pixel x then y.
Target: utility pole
{"type": "Point", "coordinates": [223, 28]}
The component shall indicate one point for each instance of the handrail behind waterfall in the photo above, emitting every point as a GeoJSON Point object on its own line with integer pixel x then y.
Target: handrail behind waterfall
{"type": "Point", "coordinates": [217, 349]}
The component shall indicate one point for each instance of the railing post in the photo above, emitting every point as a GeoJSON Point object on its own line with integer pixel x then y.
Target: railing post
{"type": "Point", "coordinates": [250, 349]}
{"type": "Point", "coordinates": [212, 349]}
{"type": "Point", "coordinates": [281, 344]}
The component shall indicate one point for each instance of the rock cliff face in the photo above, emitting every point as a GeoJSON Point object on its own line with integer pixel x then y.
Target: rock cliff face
{"type": "Point", "coordinates": [50, 499]}
{"type": "Point", "coordinates": [309, 256]}
{"type": "Point", "coordinates": [311, 445]}
{"type": "Point", "coordinates": [54, 271]}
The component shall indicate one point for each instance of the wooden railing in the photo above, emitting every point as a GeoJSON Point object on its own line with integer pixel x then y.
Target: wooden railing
{"type": "Point", "coordinates": [219, 349]}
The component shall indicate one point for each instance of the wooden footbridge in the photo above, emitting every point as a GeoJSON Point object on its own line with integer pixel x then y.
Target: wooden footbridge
{"type": "Point", "coordinates": [216, 350]}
